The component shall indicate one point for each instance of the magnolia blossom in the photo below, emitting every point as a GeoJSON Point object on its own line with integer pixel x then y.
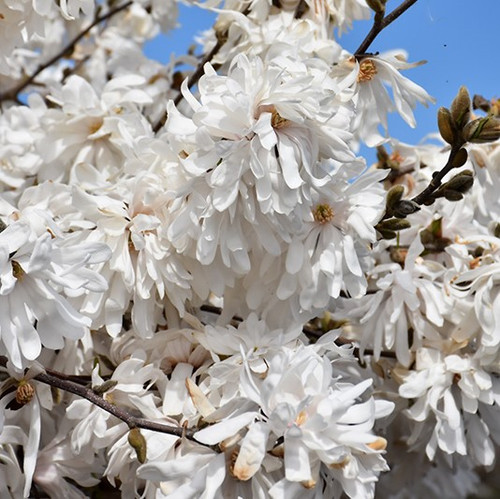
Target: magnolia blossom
{"type": "Point", "coordinates": [406, 298]}
{"type": "Point", "coordinates": [34, 268]}
{"type": "Point", "coordinates": [449, 391]}
{"type": "Point", "coordinates": [325, 257]}
{"type": "Point", "coordinates": [144, 267]}
{"type": "Point", "coordinates": [480, 276]}
{"type": "Point", "coordinates": [262, 146]}
{"type": "Point", "coordinates": [86, 127]}
{"type": "Point", "coordinates": [305, 416]}
{"type": "Point", "coordinates": [365, 82]}
{"type": "Point", "coordinates": [197, 249]}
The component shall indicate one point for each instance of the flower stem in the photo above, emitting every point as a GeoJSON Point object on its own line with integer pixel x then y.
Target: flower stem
{"type": "Point", "coordinates": [378, 26]}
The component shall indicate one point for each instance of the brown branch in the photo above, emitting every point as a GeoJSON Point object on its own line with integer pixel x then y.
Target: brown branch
{"type": "Point", "coordinates": [63, 382]}
{"type": "Point", "coordinates": [79, 379]}
{"type": "Point", "coordinates": [198, 72]}
{"type": "Point", "coordinates": [435, 183]}
{"type": "Point", "coordinates": [13, 92]}
{"type": "Point", "coordinates": [99, 401]}
{"type": "Point", "coordinates": [193, 80]}
{"type": "Point", "coordinates": [379, 25]}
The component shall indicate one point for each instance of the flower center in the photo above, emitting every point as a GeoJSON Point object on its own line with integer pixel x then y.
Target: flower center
{"type": "Point", "coordinates": [396, 157]}
{"type": "Point", "coordinates": [323, 213]}
{"type": "Point", "coordinates": [367, 70]}
{"type": "Point", "coordinates": [17, 271]}
{"type": "Point", "coordinates": [301, 418]}
{"type": "Point", "coordinates": [277, 121]}
{"type": "Point", "coordinates": [95, 125]}
{"type": "Point", "coordinates": [25, 392]}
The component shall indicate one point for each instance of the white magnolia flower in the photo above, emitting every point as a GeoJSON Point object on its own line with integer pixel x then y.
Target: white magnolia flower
{"type": "Point", "coordinates": [22, 20]}
{"type": "Point", "coordinates": [325, 257]}
{"type": "Point", "coordinates": [70, 9]}
{"type": "Point", "coordinates": [58, 468]}
{"type": "Point", "coordinates": [480, 277]}
{"type": "Point", "coordinates": [449, 392]}
{"type": "Point", "coordinates": [409, 297]}
{"type": "Point", "coordinates": [18, 158]}
{"type": "Point", "coordinates": [259, 154]}
{"type": "Point", "coordinates": [254, 153]}
{"type": "Point", "coordinates": [34, 269]}
{"type": "Point", "coordinates": [144, 267]}
{"type": "Point", "coordinates": [26, 403]}
{"type": "Point", "coordinates": [84, 126]}
{"type": "Point", "coordinates": [306, 414]}
{"type": "Point", "coordinates": [192, 469]}
{"type": "Point", "coordinates": [365, 82]}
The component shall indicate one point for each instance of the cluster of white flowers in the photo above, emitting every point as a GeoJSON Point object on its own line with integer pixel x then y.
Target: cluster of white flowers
{"type": "Point", "coordinates": [208, 276]}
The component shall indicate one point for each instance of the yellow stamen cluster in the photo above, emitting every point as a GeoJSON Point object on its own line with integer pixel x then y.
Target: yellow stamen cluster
{"type": "Point", "coordinates": [301, 418]}
{"type": "Point", "coordinates": [232, 460]}
{"type": "Point", "coordinates": [476, 262]}
{"type": "Point", "coordinates": [17, 271]}
{"type": "Point", "coordinates": [323, 213]}
{"type": "Point", "coordinates": [25, 392]}
{"type": "Point", "coordinates": [95, 125]}
{"type": "Point", "coordinates": [277, 121]}
{"type": "Point", "coordinates": [396, 157]}
{"type": "Point", "coordinates": [309, 484]}
{"type": "Point", "coordinates": [367, 70]}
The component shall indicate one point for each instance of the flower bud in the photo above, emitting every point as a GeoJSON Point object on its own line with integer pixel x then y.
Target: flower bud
{"type": "Point", "coordinates": [461, 182]}
{"type": "Point", "coordinates": [138, 442]}
{"type": "Point", "coordinates": [398, 254]}
{"type": "Point", "coordinates": [482, 130]}
{"type": "Point", "coordinates": [394, 196]}
{"type": "Point", "coordinates": [393, 224]}
{"type": "Point", "coordinates": [452, 195]}
{"type": "Point", "coordinates": [460, 108]}
{"type": "Point", "coordinates": [460, 158]}
{"type": "Point", "coordinates": [445, 125]}
{"type": "Point", "coordinates": [387, 234]}
{"type": "Point", "coordinates": [382, 157]}
{"type": "Point", "coordinates": [388, 228]}
{"type": "Point", "coordinates": [404, 208]}
{"type": "Point", "coordinates": [377, 6]}
{"type": "Point", "coordinates": [107, 385]}
{"type": "Point", "coordinates": [454, 189]}
{"type": "Point", "coordinates": [479, 102]}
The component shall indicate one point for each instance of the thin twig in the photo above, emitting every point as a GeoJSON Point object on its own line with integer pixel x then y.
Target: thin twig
{"type": "Point", "coordinates": [99, 401]}
{"type": "Point", "coordinates": [79, 379]}
{"type": "Point", "coordinates": [13, 92]}
{"type": "Point", "coordinates": [193, 80]}
{"type": "Point", "coordinates": [379, 26]}
{"type": "Point", "coordinates": [435, 183]}
{"type": "Point", "coordinates": [198, 72]}
{"type": "Point", "coordinates": [63, 382]}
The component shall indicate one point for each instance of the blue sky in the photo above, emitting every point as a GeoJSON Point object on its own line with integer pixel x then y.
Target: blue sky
{"type": "Point", "coordinates": [459, 42]}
